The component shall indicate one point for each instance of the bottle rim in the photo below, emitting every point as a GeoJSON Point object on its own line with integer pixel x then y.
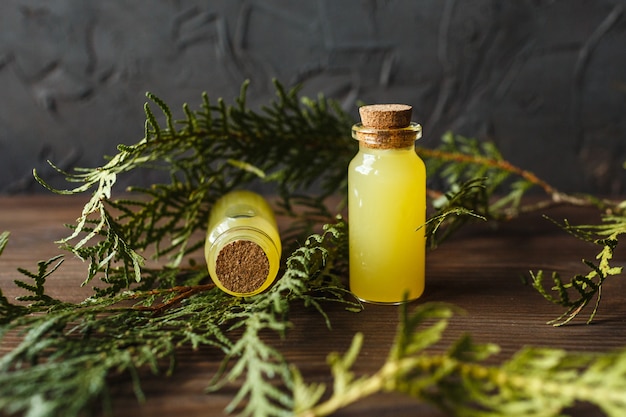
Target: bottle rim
{"type": "Point", "coordinates": [245, 233]}
{"type": "Point", "coordinates": [387, 138]}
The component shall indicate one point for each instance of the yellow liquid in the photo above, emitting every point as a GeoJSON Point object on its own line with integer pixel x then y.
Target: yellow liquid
{"type": "Point", "coordinates": [242, 215]}
{"type": "Point", "coordinates": [386, 214]}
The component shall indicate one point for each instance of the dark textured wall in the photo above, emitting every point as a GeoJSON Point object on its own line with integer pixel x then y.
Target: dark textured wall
{"type": "Point", "coordinates": [545, 80]}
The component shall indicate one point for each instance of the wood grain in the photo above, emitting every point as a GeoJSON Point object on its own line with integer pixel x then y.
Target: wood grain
{"type": "Point", "coordinates": [481, 270]}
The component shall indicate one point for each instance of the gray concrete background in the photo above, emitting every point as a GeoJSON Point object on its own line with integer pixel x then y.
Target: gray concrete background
{"type": "Point", "coordinates": [544, 79]}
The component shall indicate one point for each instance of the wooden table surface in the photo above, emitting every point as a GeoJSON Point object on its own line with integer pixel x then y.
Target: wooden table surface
{"type": "Point", "coordinates": [480, 270]}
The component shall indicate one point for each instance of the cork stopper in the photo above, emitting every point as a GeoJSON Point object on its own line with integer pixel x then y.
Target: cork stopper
{"type": "Point", "coordinates": [242, 266]}
{"type": "Point", "coordinates": [386, 126]}
{"type": "Point", "coordinates": [386, 116]}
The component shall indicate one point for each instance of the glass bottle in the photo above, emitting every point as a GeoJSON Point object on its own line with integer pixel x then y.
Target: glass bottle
{"type": "Point", "coordinates": [242, 247]}
{"type": "Point", "coordinates": [387, 207]}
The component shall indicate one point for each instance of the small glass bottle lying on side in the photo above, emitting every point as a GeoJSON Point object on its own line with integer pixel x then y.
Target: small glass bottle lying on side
{"type": "Point", "coordinates": [242, 247]}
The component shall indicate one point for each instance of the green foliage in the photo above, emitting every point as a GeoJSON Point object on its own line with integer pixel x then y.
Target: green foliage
{"type": "Point", "coordinates": [293, 144]}
{"type": "Point", "coordinates": [481, 184]}
{"type": "Point", "coordinates": [476, 183]}
{"type": "Point", "coordinates": [8, 311]}
{"type": "Point", "coordinates": [208, 153]}
{"type": "Point", "coordinates": [4, 240]}
{"type": "Point", "coordinates": [62, 364]}
{"type": "Point", "coordinates": [459, 161]}
{"type": "Point", "coordinates": [576, 294]}
{"type": "Point", "coordinates": [38, 296]}
{"type": "Point", "coordinates": [455, 208]}
{"type": "Point", "coordinates": [535, 382]}
{"type": "Point", "coordinates": [311, 276]}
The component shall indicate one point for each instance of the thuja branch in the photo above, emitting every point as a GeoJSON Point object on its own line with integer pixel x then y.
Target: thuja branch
{"type": "Point", "coordinates": [482, 184]}
{"type": "Point", "coordinates": [63, 363]}
{"type": "Point", "coordinates": [459, 159]}
{"type": "Point", "coordinates": [577, 293]}
{"type": "Point", "coordinates": [180, 293]}
{"type": "Point", "coordinates": [536, 381]}
{"type": "Point", "coordinates": [292, 144]}
{"type": "Point", "coordinates": [500, 164]}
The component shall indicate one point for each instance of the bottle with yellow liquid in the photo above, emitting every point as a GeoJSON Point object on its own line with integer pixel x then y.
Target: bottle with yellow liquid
{"type": "Point", "coordinates": [387, 207]}
{"type": "Point", "coordinates": [242, 247]}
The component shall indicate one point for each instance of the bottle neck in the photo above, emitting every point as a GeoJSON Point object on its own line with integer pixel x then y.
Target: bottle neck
{"type": "Point", "coordinates": [393, 138]}
{"type": "Point", "coordinates": [368, 148]}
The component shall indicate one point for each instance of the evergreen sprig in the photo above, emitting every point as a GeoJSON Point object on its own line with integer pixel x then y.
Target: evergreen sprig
{"type": "Point", "coordinates": [8, 310]}
{"type": "Point", "coordinates": [38, 296]}
{"type": "Point", "coordinates": [460, 160]}
{"type": "Point", "coordinates": [535, 382]}
{"type": "Point", "coordinates": [311, 277]}
{"type": "Point", "coordinates": [293, 144]}
{"type": "Point", "coordinates": [575, 294]}
{"type": "Point", "coordinates": [483, 185]}
{"type": "Point", "coordinates": [462, 203]}
{"type": "Point", "coordinates": [62, 364]}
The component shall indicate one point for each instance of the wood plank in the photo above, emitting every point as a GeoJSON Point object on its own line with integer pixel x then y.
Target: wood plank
{"type": "Point", "coordinates": [481, 271]}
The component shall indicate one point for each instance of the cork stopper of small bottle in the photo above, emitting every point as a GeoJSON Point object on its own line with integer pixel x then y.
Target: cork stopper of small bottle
{"type": "Point", "coordinates": [386, 116]}
{"type": "Point", "coordinates": [242, 266]}
{"type": "Point", "coordinates": [386, 126]}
